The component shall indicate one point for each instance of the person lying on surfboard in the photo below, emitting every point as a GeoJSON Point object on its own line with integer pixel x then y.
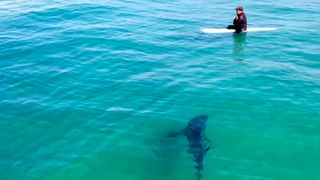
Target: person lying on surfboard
{"type": "Point", "coordinates": [240, 21]}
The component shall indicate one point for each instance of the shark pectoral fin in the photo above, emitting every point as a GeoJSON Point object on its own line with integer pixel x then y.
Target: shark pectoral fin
{"type": "Point", "coordinates": [208, 148]}
{"type": "Point", "coordinates": [174, 134]}
{"type": "Point", "coordinates": [208, 140]}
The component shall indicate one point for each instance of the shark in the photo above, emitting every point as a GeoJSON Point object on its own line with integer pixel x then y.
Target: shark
{"type": "Point", "coordinates": [199, 145]}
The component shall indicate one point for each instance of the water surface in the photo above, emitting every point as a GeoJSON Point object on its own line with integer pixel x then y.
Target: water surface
{"type": "Point", "coordinates": [89, 89]}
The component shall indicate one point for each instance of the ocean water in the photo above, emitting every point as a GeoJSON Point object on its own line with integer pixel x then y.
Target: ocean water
{"type": "Point", "coordinates": [90, 89]}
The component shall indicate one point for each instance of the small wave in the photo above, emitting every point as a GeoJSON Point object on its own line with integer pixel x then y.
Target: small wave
{"type": "Point", "coordinates": [111, 109]}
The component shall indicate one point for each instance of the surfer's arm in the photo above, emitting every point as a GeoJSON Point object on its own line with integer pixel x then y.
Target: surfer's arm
{"type": "Point", "coordinates": [243, 23]}
{"type": "Point", "coordinates": [235, 21]}
{"type": "Point", "coordinates": [234, 24]}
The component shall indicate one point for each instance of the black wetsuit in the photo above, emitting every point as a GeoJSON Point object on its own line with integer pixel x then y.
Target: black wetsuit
{"type": "Point", "coordinates": [239, 24]}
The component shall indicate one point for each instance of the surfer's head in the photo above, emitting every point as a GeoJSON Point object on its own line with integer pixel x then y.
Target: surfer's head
{"type": "Point", "coordinates": [239, 9]}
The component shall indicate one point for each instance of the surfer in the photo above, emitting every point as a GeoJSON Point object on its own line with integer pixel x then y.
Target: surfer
{"type": "Point", "coordinates": [240, 21]}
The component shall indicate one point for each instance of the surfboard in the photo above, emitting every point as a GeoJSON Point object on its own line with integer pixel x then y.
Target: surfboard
{"type": "Point", "coordinates": [221, 30]}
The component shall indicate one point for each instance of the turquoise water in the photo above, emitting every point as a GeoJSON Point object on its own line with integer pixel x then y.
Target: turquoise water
{"type": "Point", "coordinates": [89, 89]}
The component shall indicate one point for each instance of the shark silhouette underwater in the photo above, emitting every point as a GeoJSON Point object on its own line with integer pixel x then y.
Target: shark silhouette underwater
{"type": "Point", "coordinates": [199, 145]}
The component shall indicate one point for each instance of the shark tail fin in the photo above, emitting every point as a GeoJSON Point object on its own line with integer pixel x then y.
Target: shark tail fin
{"type": "Point", "coordinates": [198, 175]}
{"type": "Point", "coordinates": [174, 134]}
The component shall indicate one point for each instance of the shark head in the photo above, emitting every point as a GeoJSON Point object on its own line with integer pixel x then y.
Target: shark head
{"type": "Point", "coordinates": [197, 124]}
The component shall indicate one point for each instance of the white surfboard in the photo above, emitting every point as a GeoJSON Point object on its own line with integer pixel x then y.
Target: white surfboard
{"type": "Point", "coordinates": [221, 30]}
